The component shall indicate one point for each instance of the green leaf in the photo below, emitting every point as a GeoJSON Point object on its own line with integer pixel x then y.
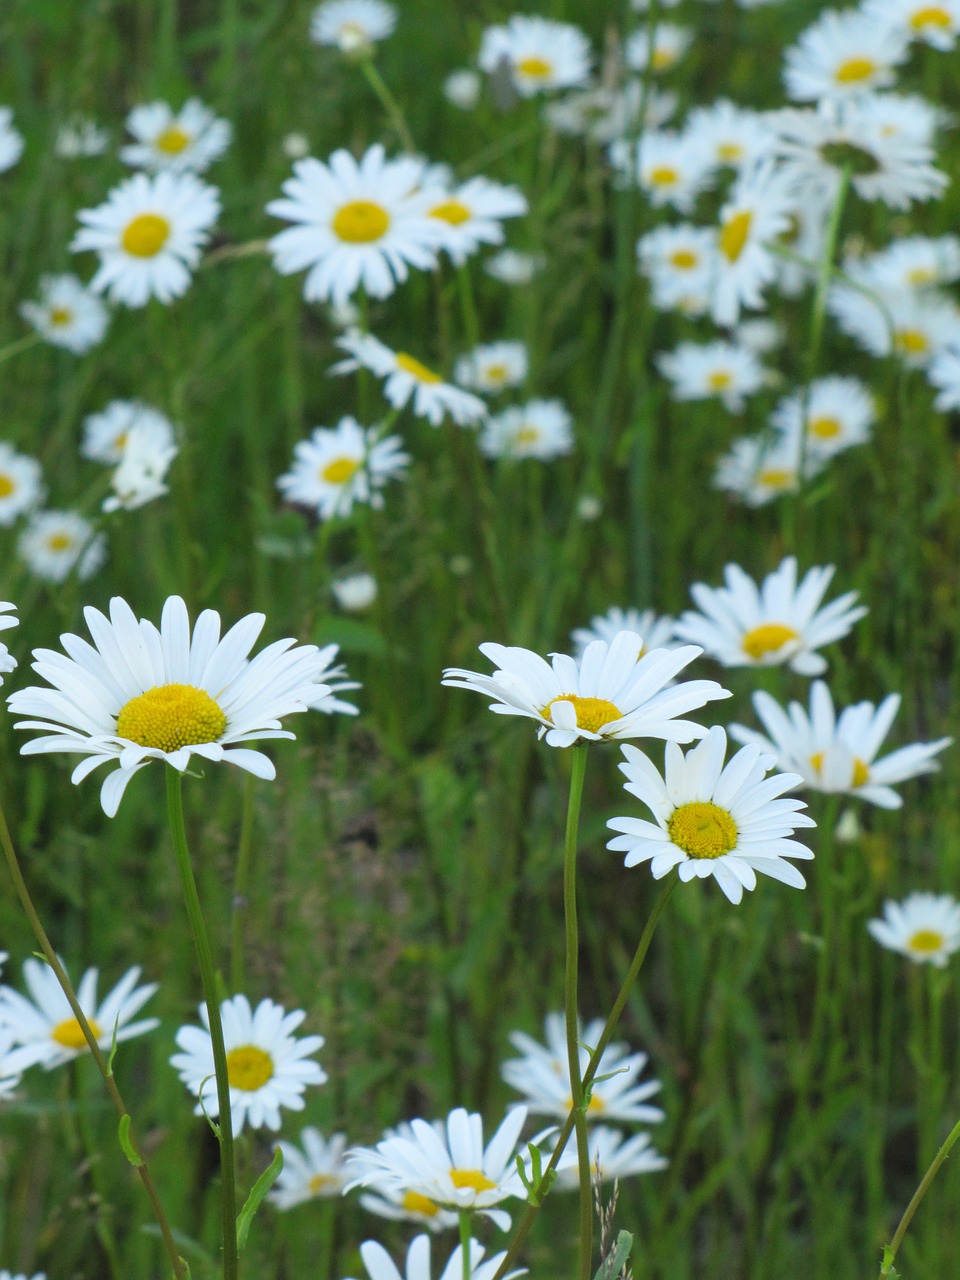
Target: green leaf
{"type": "Point", "coordinates": [129, 1150]}
{"type": "Point", "coordinates": [351, 635]}
{"type": "Point", "coordinates": [257, 1192]}
{"type": "Point", "coordinates": [615, 1260]}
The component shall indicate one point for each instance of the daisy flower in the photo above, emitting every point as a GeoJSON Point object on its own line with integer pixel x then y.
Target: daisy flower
{"type": "Point", "coordinates": [359, 223]}
{"type": "Point", "coordinates": [79, 138]}
{"type": "Point", "coordinates": [342, 465]}
{"type": "Point", "coordinates": [842, 54]}
{"type": "Point", "coordinates": [354, 592]}
{"type": "Point", "coordinates": [493, 366]}
{"type": "Point", "coordinates": [944, 373]}
{"type": "Point", "coordinates": [712, 819]}
{"type": "Point", "coordinates": [316, 1171]}
{"type": "Point", "coordinates": [21, 488]}
{"type": "Point", "coordinates": [142, 693]}
{"type": "Point", "coordinates": [935, 24]}
{"type": "Point", "coordinates": [912, 262]}
{"type": "Point", "coordinates": [408, 379]}
{"type": "Point", "coordinates": [462, 88]}
{"type": "Point", "coordinates": [380, 1266]}
{"type": "Point", "coordinates": [149, 234]}
{"type": "Point", "coordinates": [7, 661]}
{"type": "Point", "coordinates": [539, 53]}
{"type": "Point", "coordinates": [55, 543]}
{"type": "Point", "coordinates": [45, 1028]}
{"type": "Point", "coordinates": [743, 625]}
{"type": "Point", "coordinates": [539, 429]}
{"type": "Point", "coordinates": [757, 213]}
{"type": "Point", "coordinates": [924, 927]}
{"type": "Point", "coordinates": [184, 141]}
{"type": "Point", "coordinates": [509, 266]}
{"type": "Point", "coordinates": [610, 691]}
{"type": "Point", "coordinates": [11, 140]}
{"type": "Point", "coordinates": [914, 326]}
{"type": "Point", "coordinates": [471, 214]}
{"type": "Point", "coordinates": [657, 47]}
{"type": "Point", "coordinates": [704, 370]}
{"type": "Point", "coordinates": [657, 631]}
{"type": "Point", "coordinates": [837, 413]}
{"type": "Point", "coordinates": [67, 314]}
{"type": "Point", "coordinates": [452, 1168]}
{"type": "Point", "coordinates": [267, 1066]}
{"type": "Point", "coordinates": [612, 1157]}
{"type": "Point", "coordinates": [837, 754]}
{"type": "Point", "coordinates": [679, 261]}
{"type": "Point", "coordinates": [139, 478]}
{"type": "Point", "coordinates": [408, 1206]}
{"type": "Point", "coordinates": [671, 168]}
{"type": "Point", "coordinates": [735, 137]}
{"type": "Point", "coordinates": [759, 469]}
{"type": "Point", "coordinates": [352, 25]}
{"type": "Point", "coordinates": [333, 679]}
{"type": "Point", "coordinates": [106, 434]}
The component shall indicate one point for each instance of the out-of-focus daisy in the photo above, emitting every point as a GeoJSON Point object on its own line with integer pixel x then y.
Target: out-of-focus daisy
{"type": "Point", "coordinates": [762, 468]}
{"type": "Point", "coordinates": [944, 373]}
{"type": "Point", "coordinates": [184, 141]}
{"type": "Point", "coordinates": [842, 54]}
{"type": "Point", "coordinates": [10, 1066]}
{"type": "Point", "coordinates": [11, 140]}
{"type": "Point", "coordinates": [912, 262]}
{"type": "Point", "coordinates": [712, 819]}
{"type": "Point", "coordinates": [539, 429]}
{"type": "Point", "coordinates": [837, 413]}
{"type": "Point", "coordinates": [757, 212]}
{"type": "Point", "coordinates": [703, 371]}
{"type": "Point", "coordinates": [539, 53]}
{"type": "Point", "coordinates": [142, 693]}
{"type": "Point", "coordinates": [760, 334]}
{"type": "Point", "coordinates": [21, 488]}
{"type": "Point", "coordinates": [510, 266]}
{"type": "Point", "coordinates": [380, 1266]}
{"type": "Point", "coordinates": [407, 379]}
{"type": "Point", "coordinates": [54, 543]}
{"type": "Point", "coordinates": [604, 114]}
{"type": "Point", "coordinates": [493, 366]}
{"type": "Point", "coordinates": [340, 466]}
{"type": "Point", "coordinates": [358, 223]}
{"type": "Point", "coordinates": [149, 234]}
{"type": "Point", "coordinates": [656, 630]}
{"type": "Point", "coordinates": [671, 168]}
{"type": "Point", "coordinates": [836, 754]}
{"type": "Point", "coordinates": [924, 927]}
{"type": "Point", "coordinates": [352, 25]}
{"type": "Point", "coordinates": [315, 1170]}
{"type": "Point", "coordinates": [67, 314]}
{"type": "Point", "coordinates": [657, 46]}
{"type": "Point", "coordinates": [679, 261]}
{"type": "Point", "coordinates": [609, 692]}
{"type": "Point", "coordinates": [44, 1025]}
{"type": "Point", "coordinates": [914, 326]}
{"type": "Point", "coordinates": [462, 88]}
{"type": "Point", "coordinates": [451, 1168]}
{"type": "Point", "coordinates": [107, 433]}
{"type": "Point", "coordinates": [743, 625]}
{"type": "Point", "coordinates": [734, 137]}
{"type": "Point", "coordinates": [354, 592]}
{"type": "Point", "coordinates": [81, 137]}
{"type": "Point", "coordinates": [7, 1275]}
{"type": "Point", "coordinates": [7, 661]}
{"type": "Point", "coordinates": [140, 475]}
{"type": "Point", "coordinates": [267, 1066]}
{"type": "Point", "coordinates": [612, 1157]}
{"type": "Point", "coordinates": [542, 1075]}
{"type": "Point", "coordinates": [470, 216]}
{"type": "Point", "coordinates": [932, 22]}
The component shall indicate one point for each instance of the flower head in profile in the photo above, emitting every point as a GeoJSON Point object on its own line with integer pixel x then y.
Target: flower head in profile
{"type": "Point", "coordinates": [781, 621]}
{"type": "Point", "coordinates": [267, 1066]}
{"type": "Point", "coordinates": [67, 314]}
{"type": "Point", "coordinates": [612, 1157]}
{"type": "Point", "coordinates": [380, 1266]}
{"type": "Point", "coordinates": [7, 620]}
{"type": "Point", "coordinates": [924, 927]}
{"type": "Point", "coordinates": [408, 379]}
{"type": "Point", "coordinates": [657, 631]}
{"type": "Point", "coordinates": [44, 1025]}
{"type": "Point", "coordinates": [140, 693]}
{"type": "Point", "coordinates": [184, 141]}
{"type": "Point", "coordinates": [761, 468]}
{"type": "Point", "coordinates": [340, 466]}
{"type": "Point", "coordinates": [837, 754]}
{"type": "Point", "coordinates": [712, 819]}
{"type": "Point", "coordinates": [611, 691]}
{"type": "Point", "coordinates": [352, 25]}
{"type": "Point", "coordinates": [312, 1171]}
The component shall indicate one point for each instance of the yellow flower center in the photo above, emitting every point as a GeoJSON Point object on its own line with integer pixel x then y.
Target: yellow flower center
{"type": "Point", "coordinates": [60, 542]}
{"type": "Point", "coordinates": [60, 316]}
{"type": "Point", "coordinates": [733, 234]}
{"type": "Point", "coordinates": [861, 770]}
{"type": "Point", "coordinates": [684, 259]}
{"type": "Point", "coordinates": [663, 58]}
{"type": "Point", "coordinates": [320, 1181]}
{"type": "Point", "coordinates": [527, 434]}
{"type": "Point", "coordinates": [120, 441]}
{"type": "Point", "coordinates": [68, 1034]}
{"type": "Point", "coordinates": [926, 941]}
{"type": "Point", "coordinates": [769, 637]}
{"type": "Point", "coordinates": [824, 428]}
{"type": "Point", "coordinates": [414, 1202]}
{"type": "Point", "coordinates": [729, 152]}
{"type": "Point", "coordinates": [497, 373]}
{"type": "Point", "coordinates": [854, 70]}
{"type": "Point", "coordinates": [340, 470]}
{"type": "Point", "coordinates": [776, 478]}
{"type": "Point", "coordinates": [452, 211]}
{"type": "Point", "coordinates": [664, 176]}
{"type": "Point", "coordinates": [6, 486]}
{"type": "Point", "coordinates": [145, 235]}
{"type": "Point", "coordinates": [535, 68]}
{"type": "Point", "coordinates": [592, 713]}
{"type": "Point", "coordinates": [702, 829]}
{"type": "Point", "coordinates": [931, 16]}
{"type": "Point", "coordinates": [912, 342]}
{"type": "Point", "coordinates": [249, 1068]}
{"type": "Point", "coordinates": [171, 716]}
{"type": "Point", "coordinates": [416, 369]}
{"type": "Point", "coordinates": [921, 276]}
{"type": "Point", "coordinates": [720, 380]}
{"type": "Point", "coordinates": [172, 141]}
{"type": "Point", "coordinates": [361, 222]}
{"type": "Point", "coordinates": [473, 1178]}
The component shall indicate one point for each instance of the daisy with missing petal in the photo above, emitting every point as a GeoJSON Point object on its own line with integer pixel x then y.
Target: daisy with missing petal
{"type": "Point", "coordinates": [743, 625]}
{"type": "Point", "coordinates": [142, 693]}
{"type": "Point", "coordinates": [924, 927]}
{"type": "Point", "coordinates": [470, 216]}
{"type": "Point", "coordinates": [352, 25]}
{"type": "Point", "coordinates": [106, 434]}
{"type": "Point", "coordinates": [540, 54]}
{"type": "Point", "coordinates": [611, 691]}
{"type": "Point", "coordinates": [11, 140]}
{"type": "Point", "coordinates": [314, 1170]}
{"type": "Point", "coordinates": [54, 544]}
{"type": "Point", "coordinates": [704, 370]}
{"type": "Point", "coordinates": [338, 467]}
{"type": "Point", "coordinates": [761, 468]}
{"type": "Point", "coordinates": [757, 213]}
{"type": "Point", "coordinates": [184, 141]}
{"type": "Point", "coordinates": [837, 754]}
{"type": "Point", "coordinates": [21, 488]}
{"type": "Point", "coordinates": [45, 1028]}
{"type": "Point", "coordinates": [7, 661]}
{"type": "Point", "coordinates": [843, 54]}
{"type": "Point", "coordinates": [712, 819]}
{"type": "Point", "coordinates": [407, 379]}
{"type": "Point", "coordinates": [837, 413]}
{"type": "Point", "coordinates": [357, 223]}
{"type": "Point", "coordinates": [149, 234]}
{"type": "Point", "coordinates": [493, 366]}
{"type": "Point", "coordinates": [657, 631]}
{"type": "Point", "coordinates": [267, 1066]}
{"type": "Point", "coordinates": [380, 1266]}
{"type": "Point", "coordinates": [68, 314]}
{"type": "Point", "coordinates": [540, 429]}
{"type": "Point", "coordinates": [612, 1157]}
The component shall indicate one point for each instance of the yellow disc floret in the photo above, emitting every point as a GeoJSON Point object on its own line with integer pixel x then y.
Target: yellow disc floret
{"type": "Point", "coordinates": [859, 773]}
{"type": "Point", "coordinates": [415, 369]}
{"type": "Point", "coordinates": [340, 470]}
{"type": "Point", "coordinates": [853, 70]}
{"type": "Point", "coordinates": [734, 233]}
{"type": "Point", "coordinates": [769, 637]}
{"type": "Point", "coordinates": [414, 1202]}
{"type": "Point", "coordinates": [60, 316]}
{"type": "Point", "coordinates": [592, 713]}
{"type": "Point", "coordinates": [912, 342]}
{"type": "Point", "coordinates": [926, 941]}
{"type": "Point", "coordinates": [171, 716]}
{"type": "Point", "coordinates": [361, 222]}
{"type": "Point", "coordinates": [68, 1034]}
{"type": "Point", "coordinates": [249, 1068]}
{"type": "Point", "coordinates": [172, 141]}
{"type": "Point", "coordinates": [319, 1183]}
{"type": "Point", "coordinates": [475, 1179]}
{"type": "Point", "coordinates": [145, 235]}
{"type": "Point", "coordinates": [7, 486]}
{"type": "Point", "coordinates": [535, 68]}
{"type": "Point", "coordinates": [452, 211]}
{"type": "Point", "coordinates": [933, 15]}
{"type": "Point", "coordinates": [702, 829]}
{"type": "Point", "coordinates": [824, 428]}
{"type": "Point", "coordinates": [684, 259]}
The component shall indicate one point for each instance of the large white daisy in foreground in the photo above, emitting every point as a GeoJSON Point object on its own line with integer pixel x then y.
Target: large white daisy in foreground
{"type": "Point", "coordinates": [142, 693]}
{"type": "Point", "coordinates": [924, 927]}
{"type": "Point", "coordinates": [712, 819]}
{"type": "Point", "coordinates": [611, 691]}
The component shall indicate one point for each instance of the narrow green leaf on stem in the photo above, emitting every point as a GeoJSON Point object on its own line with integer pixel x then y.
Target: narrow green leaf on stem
{"type": "Point", "coordinates": [129, 1150]}
{"type": "Point", "coordinates": [255, 1198]}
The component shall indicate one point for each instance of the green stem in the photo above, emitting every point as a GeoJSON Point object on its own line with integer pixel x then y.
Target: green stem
{"type": "Point", "coordinates": [388, 102]}
{"type": "Point", "coordinates": [465, 1242]}
{"type": "Point", "coordinates": [890, 1250]}
{"type": "Point", "coordinates": [208, 977]}
{"type": "Point", "coordinates": [241, 882]}
{"type": "Point", "coordinates": [21, 344]}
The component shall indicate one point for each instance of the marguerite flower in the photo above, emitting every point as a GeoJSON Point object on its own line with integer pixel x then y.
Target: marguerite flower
{"type": "Point", "coordinates": [736, 137]}
{"type": "Point", "coordinates": [914, 326]}
{"type": "Point", "coordinates": [657, 46]}
{"type": "Point", "coordinates": [408, 379]}
{"type": "Point", "coordinates": [711, 818]}
{"type": "Point", "coordinates": [509, 266]}
{"type": "Point", "coordinates": [757, 213]}
{"type": "Point", "coordinates": [7, 661]}
{"type": "Point", "coordinates": [355, 591]}
{"type": "Point", "coordinates": [837, 413]}
{"type": "Point", "coordinates": [837, 754]}
{"type": "Point", "coordinates": [539, 429]}
{"type": "Point", "coordinates": [149, 234]}
{"type": "Point", "coordinates": [314, 1172]}
{"type": "Point", "coordinates": [471, 214]}
{"type": "Point", "coordinates": [704, 370]}
{"type": "Point", "coordinates": [657, 631]}
{"type": "Point", "coordinates": [932, 22]}
{"type": "Point", "coordinates": [45, 1028]}
{"type": "Point", "coordinates": [352, 25]}
{"type": "Point", "coordinates": [68, 314]}
{"type": "Point", "coordinates": [493, 366]}
{"type": "Point", "coordinates": [762, 468]}
{"type": "Point", "coordinates": [924, 927]}
{"type": "Point", "coordinates": [843, 54]}
{"type": "Point", "coordinates": [11, 140]}
{"type": "Point", "coordinates": [340, 466]}
{"type": "Point", "coordinates": [267, 1066]}
{"type": "Point", "coordinates": [911, 262]}
{"type": "Point", "coordinates": [612, 1157]}
{"type": "Point", "coordinates": [671, 168]}
{"type": "Point", "coordinates": [106, 434]}
{"type": "Point", "coordinates": [21, 488]}
{"type": "Point", "coordinates": [679, 261]}
{"type": "Point", "coordinates": [142, 693]}
{"type": "Point", "coordinates": [611, 691]}
{"type": "Point", "coordinates": [140, 475]}
{"type": "Point", "coordinates": [55, 543]}
{"type": "Point", "coordinates": [539, 53]}
{"type": "Point", "coordinates": [462, 88]}
{"type": "Point", "coordinates": [743, 625]}
{"type": "Point", "coordinates": [184, 141]}
{"type": "Point", "coordinates": [380, 1266]}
